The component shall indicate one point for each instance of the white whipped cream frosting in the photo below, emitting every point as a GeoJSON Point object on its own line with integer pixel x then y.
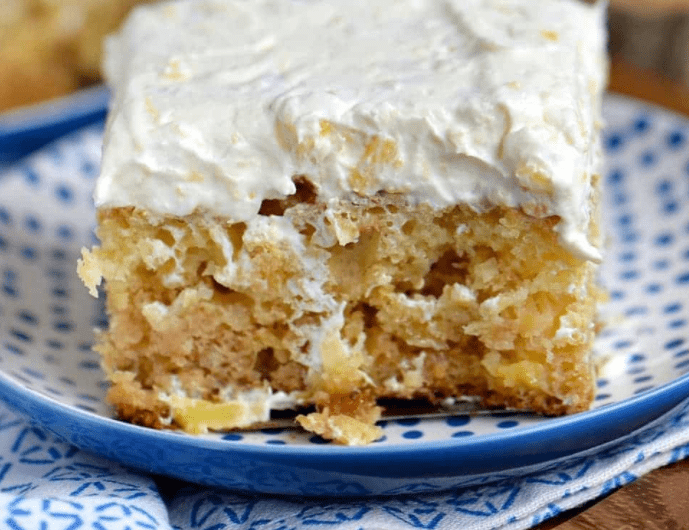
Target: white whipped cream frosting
{"type": "Point", "coordinates": [219, 104]}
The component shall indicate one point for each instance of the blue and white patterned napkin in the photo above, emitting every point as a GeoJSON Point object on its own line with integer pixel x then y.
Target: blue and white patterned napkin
{"type": "Point", "coordinates": [48, 484]}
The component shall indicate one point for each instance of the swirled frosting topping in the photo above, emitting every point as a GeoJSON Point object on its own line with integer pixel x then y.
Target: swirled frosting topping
{"type": "Point", "coordinates": [219, 104]}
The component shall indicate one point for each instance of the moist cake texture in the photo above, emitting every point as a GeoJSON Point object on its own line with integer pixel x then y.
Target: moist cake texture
{"type": "Point", "coordinates": [318, 205]}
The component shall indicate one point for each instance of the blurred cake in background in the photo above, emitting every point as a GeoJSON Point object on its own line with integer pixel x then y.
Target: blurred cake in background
{"type": "Point", "coordinates": [49, 48]}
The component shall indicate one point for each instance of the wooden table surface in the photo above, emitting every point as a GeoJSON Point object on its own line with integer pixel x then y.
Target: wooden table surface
{"type": "Point", "coordinates": [659, 500]}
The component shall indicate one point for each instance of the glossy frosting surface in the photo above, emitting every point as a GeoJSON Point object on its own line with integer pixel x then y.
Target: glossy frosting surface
{"type": "Point", "coordinates": [218, 105]}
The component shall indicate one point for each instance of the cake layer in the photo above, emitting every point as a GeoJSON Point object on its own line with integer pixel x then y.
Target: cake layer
{"type": "Point", "coordinates": [214, 323]}
{"type": "Point", "coordinates": [218, 104]}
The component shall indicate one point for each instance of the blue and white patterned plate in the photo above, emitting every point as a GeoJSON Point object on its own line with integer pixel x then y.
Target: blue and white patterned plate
{"type": "Point", "coordinates": [48, 371]}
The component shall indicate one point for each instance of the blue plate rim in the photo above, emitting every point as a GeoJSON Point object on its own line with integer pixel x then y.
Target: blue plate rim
{"type": "Point", "coordinates": [81, 102]}
{"type": "Point", "coordinates": [25, 129]}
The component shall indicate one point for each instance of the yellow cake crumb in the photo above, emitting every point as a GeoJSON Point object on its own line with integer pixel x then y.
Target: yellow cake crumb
{"type": "Point", "coordinates": [411, 303]}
